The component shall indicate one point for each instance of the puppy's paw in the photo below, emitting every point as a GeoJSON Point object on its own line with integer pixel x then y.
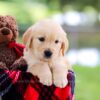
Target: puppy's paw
{"type": "Point", "coordinates": [46, 80]}
{"type": "Point", "coordinates": [60, 81]}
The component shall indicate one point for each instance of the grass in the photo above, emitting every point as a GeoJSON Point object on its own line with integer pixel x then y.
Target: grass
{"type": "Point", "coordinates": [87, 83]}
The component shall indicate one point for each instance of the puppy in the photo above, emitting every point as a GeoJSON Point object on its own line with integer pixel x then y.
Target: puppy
{"type": "Point", "coordinates": [46, 43]}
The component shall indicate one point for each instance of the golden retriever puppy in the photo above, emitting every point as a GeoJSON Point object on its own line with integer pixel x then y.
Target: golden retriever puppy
{"type": "Point", "coordinates": [46, 43]}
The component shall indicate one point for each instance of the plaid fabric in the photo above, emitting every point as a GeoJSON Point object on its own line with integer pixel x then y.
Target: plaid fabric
{"type": "Point", "coordinates": [29, 88]}
{"type": "Point", "coordinates": [37, 91]}
{"type": "Point", "coordinates": [18, 85]}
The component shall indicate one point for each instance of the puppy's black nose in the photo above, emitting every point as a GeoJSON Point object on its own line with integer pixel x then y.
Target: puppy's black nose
{"type": "Point", "coordinates": [47, 53]}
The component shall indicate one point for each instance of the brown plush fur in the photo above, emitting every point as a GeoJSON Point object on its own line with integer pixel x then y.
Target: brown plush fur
{"type": "Point", "coordinates": [8, 33]}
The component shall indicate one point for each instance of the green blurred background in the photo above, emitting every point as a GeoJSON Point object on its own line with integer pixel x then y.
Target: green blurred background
{"type": "Point", "coordinates": [81, 20]}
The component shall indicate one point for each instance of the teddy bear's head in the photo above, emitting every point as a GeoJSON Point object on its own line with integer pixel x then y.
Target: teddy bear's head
{"type": "Point", "coordinates": [8, 28]}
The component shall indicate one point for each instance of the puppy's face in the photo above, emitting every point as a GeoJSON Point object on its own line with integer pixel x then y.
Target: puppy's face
{"type": "Point", "coordinates": [46, 46]}
{"type": "Point", "coordinates": [47, 41]}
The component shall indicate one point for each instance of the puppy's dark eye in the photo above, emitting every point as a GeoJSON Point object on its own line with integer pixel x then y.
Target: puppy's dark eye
{"type": "Point", "coordinates": [56, 41]}
{"type": "Point", "coordinates": [42, 39]}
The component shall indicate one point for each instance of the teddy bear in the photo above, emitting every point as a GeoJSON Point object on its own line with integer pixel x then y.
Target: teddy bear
{"type": "Point", "coordinates": [10, 52]}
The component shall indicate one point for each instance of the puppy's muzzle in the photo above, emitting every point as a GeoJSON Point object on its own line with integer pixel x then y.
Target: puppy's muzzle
{"type": "Point", "coordinates": [47, 53]}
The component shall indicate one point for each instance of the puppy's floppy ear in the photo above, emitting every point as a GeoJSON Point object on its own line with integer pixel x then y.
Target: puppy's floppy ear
{"type": "Point", "coordinates": [27, 38]}
{"type": "Point", "coordinates": [29, 42]}
{"type": "Point", "coordinates": [27, 35]}
{"type": "Point", "coordinates": [64, 45]}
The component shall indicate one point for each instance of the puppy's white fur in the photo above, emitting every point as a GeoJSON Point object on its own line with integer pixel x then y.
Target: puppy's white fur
{"type": "Point", "coordinates": [49, 70]}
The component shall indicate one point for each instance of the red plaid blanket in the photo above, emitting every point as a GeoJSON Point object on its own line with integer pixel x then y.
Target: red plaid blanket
{"type": "Point", "coordinates": [28, 87]}
{"type": "Point", "coordinates": [18, 85]}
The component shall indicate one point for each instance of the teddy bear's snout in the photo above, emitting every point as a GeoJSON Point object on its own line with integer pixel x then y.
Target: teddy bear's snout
{"type": "Point", "coordinates": [5, 31]}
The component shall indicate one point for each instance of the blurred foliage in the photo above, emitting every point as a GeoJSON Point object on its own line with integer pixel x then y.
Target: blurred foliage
{"type": "Point", "coordinates": [25, 12]}
{"type": "Point", "coordinates": [79, 4]}
{"type": "Point", "coordinates": [29, 11]}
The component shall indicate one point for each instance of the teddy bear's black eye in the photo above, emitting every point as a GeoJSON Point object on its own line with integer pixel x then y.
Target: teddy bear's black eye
{"type": "Point", "coordinates": [42, 39]}
{"type": "Point", "coordinates": [56, 41]}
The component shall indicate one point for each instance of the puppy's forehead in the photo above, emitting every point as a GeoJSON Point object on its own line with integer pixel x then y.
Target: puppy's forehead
{"type": "Point", "coordinates": [48, 28]}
